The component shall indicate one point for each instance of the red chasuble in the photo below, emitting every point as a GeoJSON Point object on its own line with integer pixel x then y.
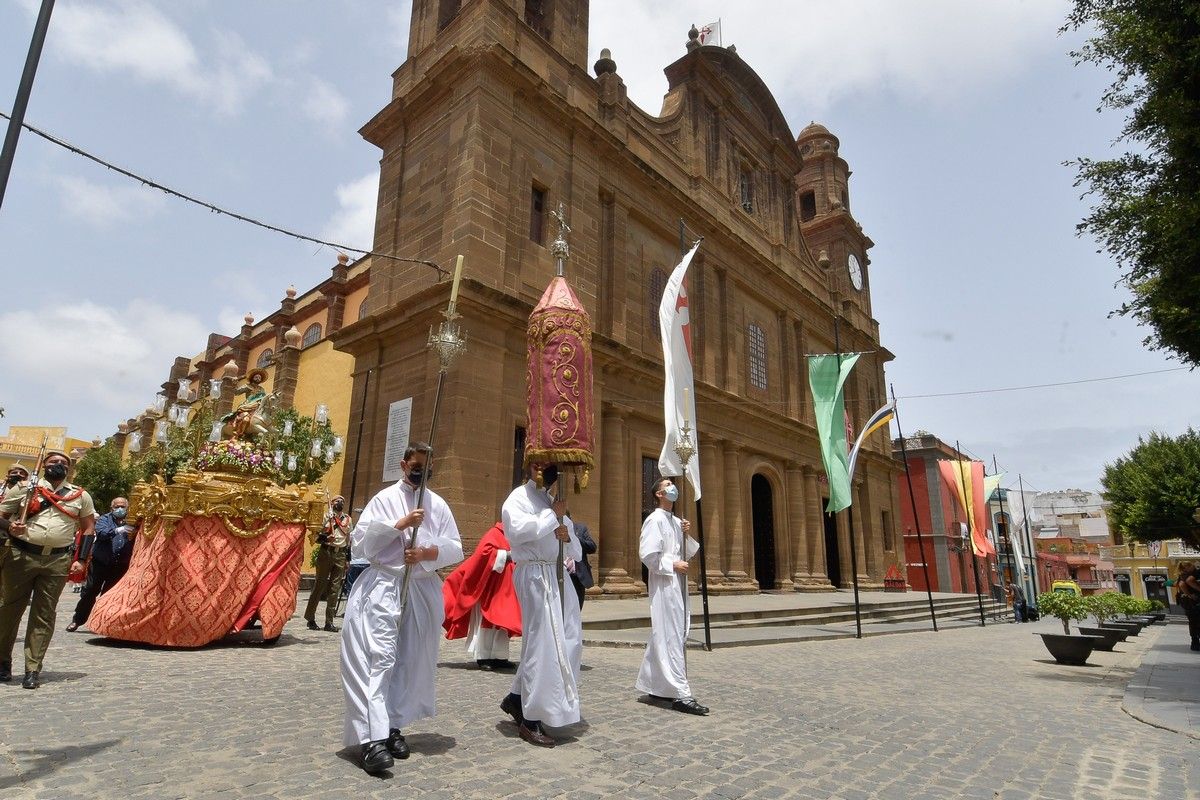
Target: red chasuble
{"type": "Point", "coordinates": [474, 581]}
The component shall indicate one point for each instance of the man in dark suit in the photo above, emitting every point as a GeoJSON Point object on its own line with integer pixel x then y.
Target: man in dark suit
{"type": "Point", "coordinates": [581, 575]}
{"type": "Point", "coordinates": [109, 551]}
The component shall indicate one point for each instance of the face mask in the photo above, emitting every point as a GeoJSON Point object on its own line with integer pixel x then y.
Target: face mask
{"type": "Point", "coordinates": [671, 493]}
{"type": "Point", "coordinates": [120, 513]}
{"type": "Point", "coordinates": [56, 472]}
{"type": "Point", "coordinates": [549, 475]}
{"type": "Point", "coordinates": [415, 476]}
{"type": "Point", "coordinates": [12, 480]}
{"type": "Point", "coordinates": [338, 506]}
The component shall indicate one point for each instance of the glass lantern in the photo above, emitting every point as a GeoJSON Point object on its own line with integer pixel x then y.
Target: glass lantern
{"type": "Point", "coordinates": [160, 431]}
{"type": "Point", "coordinates": [322, 414]}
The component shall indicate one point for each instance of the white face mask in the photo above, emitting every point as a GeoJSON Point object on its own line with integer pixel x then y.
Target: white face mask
{"type": "Point", "coordinates": [671, 493]}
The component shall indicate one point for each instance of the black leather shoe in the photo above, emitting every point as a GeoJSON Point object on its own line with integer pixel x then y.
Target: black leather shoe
{"type": "Point", "coordinates": [396, 744]}
{"type": "Point", "coordinates": [376, 758]}
{"type": "Point", "coordinates": [688, 705]}
{"type": "Point", "coordinates": [74, 626]}
{"type": "Point", "coordinates": [313, 626]}
{"type": "Point", "coordinates": [32, 681]}
{"type": "Point", "coordinates": [5, 671]}
{"type": "Point", "coordinates": [330, 628]}
{"type": "Point", "coordinates": [484, 664]}
{"type": "Point", "coordinates": [535, 736]}
{"type": "Point", "coordinates": [512, 706]}
{"type": "Point", "coordinates": [503, 663]}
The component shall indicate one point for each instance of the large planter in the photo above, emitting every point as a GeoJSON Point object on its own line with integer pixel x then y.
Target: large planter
{"type": "Point", "coordinates": [1118, 633]}
{"type": "Point", "coordinates": [1107, 638]}
{"type": "Point", "coordinates": [1068, 649]}
{"type": "Point", "coordinates": [1131, 628]}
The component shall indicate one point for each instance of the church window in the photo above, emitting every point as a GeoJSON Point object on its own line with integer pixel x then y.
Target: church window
{"type": "Point", "coordinates": [845, 200]}
{"type": "Point", "coordinates": [757, 347]}
{"type": "Point", "coordinates": [712, 152]}
{"type": "Point", "coordinates": [537, 16]}
{"type": "Point", "coordinates": [746, 190]}
{"type": "Point", "coordinates": [362, 307]}
{"type": "Point", "coordinates": [312, 334]}
{"type": "Point", "coordinates": [537, 215]}
{"type": "Point", "coordinates": [447, 11]}
{"type": "Point", "coordinates": [264, 358]}
{"type": "Point", "coordinates": [808, 206]}
{"type": "Point", "coordinates": [658, 285]}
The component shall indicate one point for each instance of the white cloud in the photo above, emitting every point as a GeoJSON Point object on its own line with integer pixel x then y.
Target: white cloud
{"type": "Point", "coordinates": [812, 53]}
{"type": "Point", "coordinates": [131, 36]}
{"type": "Point", "coordinates": [102, 206]}
{"type": "Point", "coordinates": [118, 358]}
{"type": "Point", "coordinates": [327, 106]}
{"type": "Point", "coordinates": [353, 224]}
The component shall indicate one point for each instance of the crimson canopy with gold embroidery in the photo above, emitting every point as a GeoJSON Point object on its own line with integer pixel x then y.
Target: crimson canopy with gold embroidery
{"type": "Point", "coordinates": [561, 427]}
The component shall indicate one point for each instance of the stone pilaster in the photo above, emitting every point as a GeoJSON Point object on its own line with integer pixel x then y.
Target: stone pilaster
{"type": "Point", "coordinates": [797, 525]}
{"type": "Point", "coordinates": [712, 481]}
{"type": "Point", "coordinates": [615, 532]}
{"type": "Point", "coordinates": [815, 524]}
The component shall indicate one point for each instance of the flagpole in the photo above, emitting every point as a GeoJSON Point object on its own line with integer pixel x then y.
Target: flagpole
{"type": "Point", "coordinates": [1028, 540]}
{"type": "Point", "coordinates": [1008, 556]}
{"type": "Point", "coordinates": [912, 497]}
{"type": "Point", "coordinates": [699, 507]}
{"type": "Point", "coordinates": [837, 346]}
{"type": "Point", "coordinates": [970, 533]}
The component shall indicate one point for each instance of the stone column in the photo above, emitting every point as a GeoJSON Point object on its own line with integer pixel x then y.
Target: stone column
{"type": "Point", "coordinates": [615, 529]}
{"type": "Point", "coordinates": [797, 524]}
{"type": "Point", "coordinates": [872, 533]}
{"type": "Point", "coordinates": [712, 481]}
{"type": "Point", "coordinates": [815, 524]}
{"type": "Point", "coordinates": [845, 562]}
{"type": "Point", "coordinates": [860, 533]}
{"type": "Point", "coordinates": [735, 523]}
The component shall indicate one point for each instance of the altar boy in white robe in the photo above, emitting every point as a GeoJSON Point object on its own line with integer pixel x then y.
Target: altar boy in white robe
{"type": "Point", "coordinates": [389, 654]}
{"type": "Point", "coordinates": [664, 549]}
{"type": "Point", "coordinates": [545, 689]}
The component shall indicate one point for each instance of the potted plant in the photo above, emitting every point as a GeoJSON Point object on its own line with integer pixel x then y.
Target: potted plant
{"type": "Point", "coordinates": [1065, 648]}
{"type": "Point", "coordinates": [1103, 607]}
{"type": "Point", "coordinates": [1158, 609]}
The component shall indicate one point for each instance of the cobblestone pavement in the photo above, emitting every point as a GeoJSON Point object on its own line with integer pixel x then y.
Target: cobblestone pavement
{"type": "Point", "coordinates": [965, 713]}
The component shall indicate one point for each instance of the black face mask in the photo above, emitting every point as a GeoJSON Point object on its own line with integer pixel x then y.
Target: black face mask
{"type": "Point", "coordinates": [12, 480]}
{"type": "Point", "coordinates": [338, 506]}
{"type": "Point", "coordinates": [56, 472]}
{"type": "Point", "coordinates": [416, 475]}
{"type": "Point", "coordinates": [549, 475]}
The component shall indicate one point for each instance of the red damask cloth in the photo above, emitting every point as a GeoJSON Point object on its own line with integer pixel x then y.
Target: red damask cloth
{"type": "Point", "coordinates": [474, 581]}
{"type": "Point", "coordinates": [202, 583]}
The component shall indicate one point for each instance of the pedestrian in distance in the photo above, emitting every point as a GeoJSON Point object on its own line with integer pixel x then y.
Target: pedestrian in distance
{"type": "Point", "coordinates": [107, 553]}
{"type": "Point", "coordinates": [581, 571]}
{"type": "Point", "coordinates": [36, 571]}
{"type": "Point", "coordinates": [664, 548]}
{"type": "Point", "coordinates": [1187, 595]}
{"type": "Point", "coordinates": [390, 642]}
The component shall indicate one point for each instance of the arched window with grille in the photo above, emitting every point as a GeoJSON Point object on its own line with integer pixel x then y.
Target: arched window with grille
{"type": "Point", "coordinates": [312, 334]}
{"type": "Point", "coordinates": [757, 348]}
{"type": "Point", "coordinates": [264, 358]}
{"type": "Point", "coordinates": [658, 285]}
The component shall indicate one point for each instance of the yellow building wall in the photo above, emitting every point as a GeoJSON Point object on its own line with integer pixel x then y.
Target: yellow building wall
{"type": "Point", "coordinates": [23, 443]}
{"type": "Point", "coordinates": [324, 377]}
{"type": "Point", "coordinates": [354, 302]}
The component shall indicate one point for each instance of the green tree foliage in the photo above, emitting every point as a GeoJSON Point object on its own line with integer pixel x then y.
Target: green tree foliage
{"type": "Point", "coordinates": [1066, 606]}
{"type": "Point", "coordinates": [1147, 200]}
{"type": "Point", "coordinates": [304, 430]}
{"type": "Point", "coordinates": [1154, 491]}
{"type": "Point", "coordinates": [105, 476]}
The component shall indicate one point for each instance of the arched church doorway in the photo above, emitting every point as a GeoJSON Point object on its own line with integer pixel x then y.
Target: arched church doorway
{"type": "Point", "coordinates": [833, 559]}
{"type": "Point", "coordinates": [763, 511]}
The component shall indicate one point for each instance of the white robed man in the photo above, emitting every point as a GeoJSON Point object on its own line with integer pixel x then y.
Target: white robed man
{"type": "Point", "coordinates": [664, 548]}
{"type": "Point", "coordinates": [389, 654]}
{"type": "Point", "coordinates": [545, 690]}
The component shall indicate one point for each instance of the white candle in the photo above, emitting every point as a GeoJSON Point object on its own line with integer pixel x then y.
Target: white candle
{"type": "Point", "coordinates": [457, 277]}
{"type": "Point", "coordinates": [687, 408]}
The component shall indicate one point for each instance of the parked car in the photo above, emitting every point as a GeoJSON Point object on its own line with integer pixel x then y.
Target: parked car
{"type": "Point", "coordinates": [1070, 587]}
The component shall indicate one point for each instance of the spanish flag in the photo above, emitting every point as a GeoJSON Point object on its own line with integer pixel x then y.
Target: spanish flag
{"type": "Point", "coordinates": [966, 483]}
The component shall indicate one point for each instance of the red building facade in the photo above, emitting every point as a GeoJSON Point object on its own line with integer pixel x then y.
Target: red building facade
{"type": "Point", "coordinates": [941, 551]}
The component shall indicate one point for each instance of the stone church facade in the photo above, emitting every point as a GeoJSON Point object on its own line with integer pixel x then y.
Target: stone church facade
{"type": "Point", "coordinates": [495, 119]}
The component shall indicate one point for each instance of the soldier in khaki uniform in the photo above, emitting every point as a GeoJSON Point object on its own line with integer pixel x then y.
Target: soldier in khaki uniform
{"type": "Point", "coordinates": [39, 560]}
{"type": "Point", "coordinates": [16, 474]}
{"type": "Point", "coordinates": [334, 543]}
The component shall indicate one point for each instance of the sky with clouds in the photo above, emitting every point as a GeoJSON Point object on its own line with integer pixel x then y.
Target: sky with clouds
{"type": "Point", "coordinates": [955, 116]}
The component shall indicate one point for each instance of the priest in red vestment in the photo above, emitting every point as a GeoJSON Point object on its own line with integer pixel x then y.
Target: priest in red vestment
{"type": "Point", "coordinates": [481, 604]}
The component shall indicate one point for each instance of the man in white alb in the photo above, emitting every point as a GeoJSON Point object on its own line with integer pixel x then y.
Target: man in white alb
{"type": "Point", "coordinates": [389, 653]}
{"type": "Point", "coordinates": [546, 687]}
{"type": "Point", "coordinates": [664, 549]}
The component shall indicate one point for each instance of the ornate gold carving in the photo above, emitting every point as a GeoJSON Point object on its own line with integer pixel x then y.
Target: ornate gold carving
{"type": "Point", "coordinates": [255, 502]}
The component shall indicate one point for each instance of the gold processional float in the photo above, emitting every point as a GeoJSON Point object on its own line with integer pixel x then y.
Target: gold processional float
{"type": "Point", "coordinates": [220, 545]}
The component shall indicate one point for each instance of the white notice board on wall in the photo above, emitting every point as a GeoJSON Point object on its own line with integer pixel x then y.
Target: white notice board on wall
{"type": "Point", "coordinates": [399, 417]}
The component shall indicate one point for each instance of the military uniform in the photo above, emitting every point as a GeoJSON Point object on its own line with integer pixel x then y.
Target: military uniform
{"type": "Point", "coordinates": [5, 491]}
{"type": "Point", "coordinates": [331, 568]}
{"type": "Point", "coordinates": [36, 569]}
